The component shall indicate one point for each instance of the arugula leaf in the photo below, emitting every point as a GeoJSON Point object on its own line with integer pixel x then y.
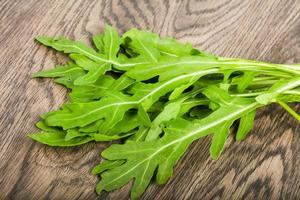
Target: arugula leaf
{"type": "Point", "coordinates": [142, 43]}
{"type": "Point", "coordinates": [143, 116]}
{"type": "Point", "coordinates": [245, 125]}
{"type": "Point", "coordinates": [102, 137]}
{"type": "Point", "coordinates": [170, 111]}
{"type": "Point", "coordinates": [246, 81]}
{"type": "Point", "coordinates": [112, 108]}
{"type": "Point", "coordinates": [277, 89]}
{"type": "Point", "coordinates": [177, 49]}
{"type": "Point", "coordinates": [58, 139]}
{"type": "Point", "coordinates": [95, 70]}
{"type": "Point", "coordinates": [59, 71]}
{"type": "Point", "coordinates": [219, 139]}
{"type": "Point", "coordinates": [111, 42]}
{"type": "Point", "coordinates": [106, 165]}
{"type": "Point", "coordinates": [69, 46]}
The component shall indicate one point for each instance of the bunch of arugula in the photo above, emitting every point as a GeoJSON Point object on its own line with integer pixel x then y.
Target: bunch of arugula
{"type": "Point", "coordinates": [159, 95]}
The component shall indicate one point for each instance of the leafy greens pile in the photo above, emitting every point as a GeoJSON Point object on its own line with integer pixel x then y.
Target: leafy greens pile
{"type": "Point", "coordinates": [159, 95]}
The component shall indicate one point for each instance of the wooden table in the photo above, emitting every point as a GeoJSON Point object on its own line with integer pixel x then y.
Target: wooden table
{"type": "Point", "coordinates": [264, 166]}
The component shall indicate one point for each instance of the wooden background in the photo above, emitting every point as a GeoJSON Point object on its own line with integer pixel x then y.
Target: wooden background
{"type": "Point", "coordinates": [265, 166]}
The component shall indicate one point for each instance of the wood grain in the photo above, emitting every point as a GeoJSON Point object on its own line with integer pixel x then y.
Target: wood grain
{"type": "Point", "coordinates": [264, 166]}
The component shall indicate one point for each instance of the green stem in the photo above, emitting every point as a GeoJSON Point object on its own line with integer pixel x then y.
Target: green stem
{"type": "Point", "coordinates": [289, 110]}
{"type": "Point", "coordinates": [252, 94]}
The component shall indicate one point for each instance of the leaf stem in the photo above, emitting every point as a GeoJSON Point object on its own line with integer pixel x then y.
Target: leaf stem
{"type": "Point", "coordinates": [251, 94]}
{"type": "Point", "coordinates": [289, 110]}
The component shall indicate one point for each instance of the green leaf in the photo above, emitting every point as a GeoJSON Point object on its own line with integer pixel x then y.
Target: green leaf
{"type": "Point", "coordinates": [67, 81]}
{"type": "Point", "coordinates": [171, 47]}
{"type": "Point", "coordinates": [190, 103]}
{"type": "Point", "coordinates": [277, 89]}
{"type": "Point", "coordinates": [169, 67]}
{"type": "Point", "coordinates": [59, 71]}
{"type": "Point", "coordinates": [44, 127]}
{"type": "Point", "coordinates": [84, 62]}
{"type": "Point", "coordinates": [106, 165]}
{"type": "Point", "coordinates": [70, 46]}
{"type": "Point", "coordinates": [111, 108]}
{"type": "Point", "coordinates": [95, 69]}
{"type": "Point", "coordinates": [87, 93]}
{"type": "Point", "coordinates": [98, 41]}
{"type": "Point", "coordinates": [74, 133]}
{"type": "Point", "coordinates": [143, 117]}
{"type": "Point", "coordinates": [58, 139]}
{"type": "Point", "coordinates": [219, 139]}
{"type": "Point", "coordinates": [129, 122]}
{"type": "Point", "coordinates": [170, 111]}
{"type": "Point", "coordinates": [179, 90]}
{"type": "Point", "coordinates": [246, 81]}
{"type": "Point", "coordinates": [102, 137]}
{"type": "Point", "coordinates": [122, 83]}
{"type": "Point", "coordinates": [111, 42]}
{"type": "Point", "coordinates": [93, 75]}
{"type": "Point", "coordinates": [143, 43]}
{"type": "Point", "coordinates": [140, 134]}
{"type": "Point", "coordinates": [245, 125]}
{"type": "Point", "coordinates": [91, 128]}
{"type": "Point", "coordinates": [217, 95]}
{"type": "Point", "coordinates": [108, 42]}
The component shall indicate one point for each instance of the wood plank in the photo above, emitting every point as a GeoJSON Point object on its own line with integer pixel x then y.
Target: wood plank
{"type": "Point", "coordinates": [265, 166]}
